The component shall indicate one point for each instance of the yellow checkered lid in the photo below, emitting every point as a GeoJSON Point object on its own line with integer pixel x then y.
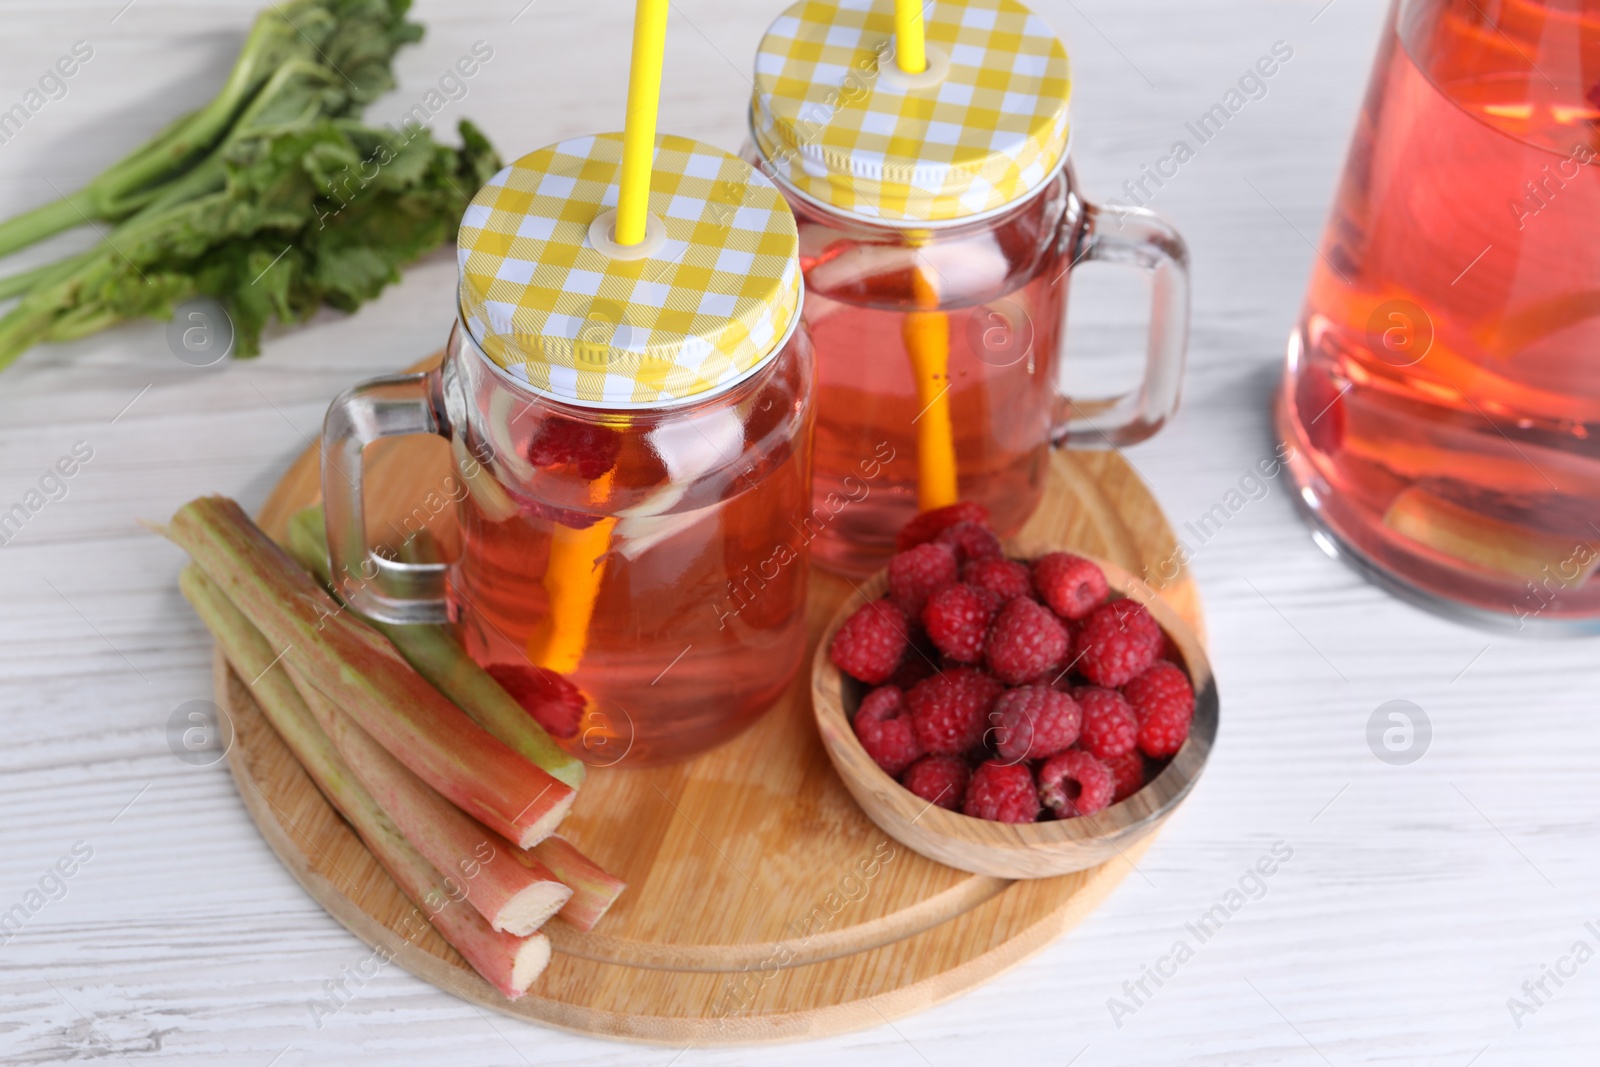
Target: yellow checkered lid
{"type": "Point", "coordinates": [709, 296]}
{"type": "Point", "coordinates": [984, 125]}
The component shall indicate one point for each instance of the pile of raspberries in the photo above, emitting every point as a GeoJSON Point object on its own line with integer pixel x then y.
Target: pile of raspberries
{"type": "Point", "coordinates": [1007, 690]}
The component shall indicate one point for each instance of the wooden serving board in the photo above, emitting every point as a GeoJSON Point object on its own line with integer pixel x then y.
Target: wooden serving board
{"type": "Point", "coordinates": [762, 905]}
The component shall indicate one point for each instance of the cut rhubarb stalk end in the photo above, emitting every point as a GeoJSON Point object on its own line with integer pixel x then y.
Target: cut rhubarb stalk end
{"type": "Point", "coordinates": [532, 956]}
{"type": "Point", "coordinates": [515, 893]}
{"type": "Point", "coordinates": [593, 889]}
{"type": "Point", "coordinates": [360, 672]}
{"type": "Point", "coordinates": [509, 963]}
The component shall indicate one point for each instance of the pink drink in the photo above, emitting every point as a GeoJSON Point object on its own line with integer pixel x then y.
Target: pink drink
{"type": "Point", "coordinates": [699, 624]}
{"type": "Point", "coordinates": [1004, 296]}
{"type": "Point", "coordinates": [1443, 388]}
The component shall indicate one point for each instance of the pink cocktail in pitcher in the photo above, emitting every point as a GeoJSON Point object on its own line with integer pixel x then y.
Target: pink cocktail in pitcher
{"type": "Point", "coordinates": [923, 148]}
{"type": "Point", "coordinates": [1443, 384]}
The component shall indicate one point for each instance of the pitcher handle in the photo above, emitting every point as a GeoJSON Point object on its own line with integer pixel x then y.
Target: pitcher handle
{"type": "Point", "coordinates": [1145, 240]}
{"type": "Point", "coordinates": [388, 590]}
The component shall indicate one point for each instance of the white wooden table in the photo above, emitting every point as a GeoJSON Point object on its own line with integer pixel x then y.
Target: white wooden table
{"type": "Point", "coordinates": [1417, 900]}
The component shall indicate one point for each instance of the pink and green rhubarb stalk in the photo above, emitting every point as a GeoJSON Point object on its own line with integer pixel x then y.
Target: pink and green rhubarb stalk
{"type": "Point", "coordinates": [439, 657]}
{"type": "Point", "coordinates": [513, 896]}
{"type": "Point", "coordinates": [506, 961]}
{"type": "Point", "coordinates": [361, 673]}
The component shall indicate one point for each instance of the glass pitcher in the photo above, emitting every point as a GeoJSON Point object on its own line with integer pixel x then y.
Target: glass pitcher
{"type": "Point", "coordinates": [939, 222]}
{"type": "Point", "coordinates": [1443, 383]}
{"type": "Point", "coordinates": [632, 429]}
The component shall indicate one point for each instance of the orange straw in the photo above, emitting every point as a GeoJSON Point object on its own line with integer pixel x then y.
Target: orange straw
{"type": "Point", "coordinates": [927, 339]}
{"type": "Point", "coordinates": [572, 580]}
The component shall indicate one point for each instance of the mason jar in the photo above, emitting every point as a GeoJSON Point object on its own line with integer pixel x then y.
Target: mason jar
{"type": "Point", "coordinates": [939, 223]}
{"type": "Point", "coordinates": [632, 426]}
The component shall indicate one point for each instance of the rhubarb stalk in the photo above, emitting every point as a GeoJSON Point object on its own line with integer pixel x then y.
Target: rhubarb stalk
{"type": "Point", "coordinates": [593, 889]}
{"type": "Point", "coordinates": [514, 893]}
{"type": "Point", "coordinates": [439, 657]}
{"type": "Point", "coordinates": [507, 962]}
{"type": "Point", "coordinates": [362, 673]}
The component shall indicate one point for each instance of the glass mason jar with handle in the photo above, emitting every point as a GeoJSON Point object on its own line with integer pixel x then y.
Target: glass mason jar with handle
{"type": "Point", "coordinates": [939, 223]}
{"type": "Point", "coordinates": [631, 427]}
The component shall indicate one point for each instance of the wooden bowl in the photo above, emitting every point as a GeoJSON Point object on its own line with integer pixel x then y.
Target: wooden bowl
{"type": "Point", "coordinates": [1013, 850]}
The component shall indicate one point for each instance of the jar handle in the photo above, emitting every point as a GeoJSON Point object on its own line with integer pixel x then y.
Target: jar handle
{"type": "Point", "coordinates": [385, 589]}
{"type": "Point", "coordinates": [1145, 240]}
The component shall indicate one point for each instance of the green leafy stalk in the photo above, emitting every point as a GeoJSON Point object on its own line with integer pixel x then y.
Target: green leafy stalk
{"type": "Point", "coordinates": [16, 284]}
{"type": "Point", "coordinates": [273, 199]}
{"type": "Point", "coordinates": [353, 39]}
{"type": "Point", "coordinates": [300, 214]}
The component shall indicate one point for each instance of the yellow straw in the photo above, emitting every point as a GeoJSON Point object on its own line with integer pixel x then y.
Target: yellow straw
{"type": "Point", "coordinates": [577, 557]}
{"type": "Point", "coordinates": [927, 339]}
{"type": "Point", "coordinates": [927, 333]}
{"type": "Point", "coordinates": [639, 131]}
{"type": "Point", "coordinates": [910, 55]}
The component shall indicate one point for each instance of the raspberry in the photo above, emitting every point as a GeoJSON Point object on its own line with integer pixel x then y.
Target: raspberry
{"type": "Point", "coordinates": [1109, 727]}
{"type": "Point", "coordinates": [869, 645]}
{"type": "Point", "coordinates": [951, 710]}
{"type": "Point", "coordinates": [1075, 783]}
{"type": "Point", "coordinates": [957, 619]}
{"type": "Point", "coordinates": [918, 572]}
{"type": "Point", "coordinates": [1127, 775]}
{"type": "Point", "coordinates": [1074, 641]}
{"type": "Point", "coordinates": [1071, 585]}
{"type": "Point", "coordinates": [1005, 578]}
{"type": "Point", "coordinates": [929, 524]}
{"type": "Point", "coordinates": [1163, 701]}
{"type": "Point", "coordinates": [971, 542]}
{"type": "Point", "coordinates": [1034, 722]}
{"type": "Point", "coordinates": [883, 724]}
{"type": "Point", "coordinates": [559, 441]}
{"type": "Point", "coordinates": [1118, 641]}
{"type": "Point", "coordinates": [553, 701]}
{"type": "Point", "coordinates": [1064, 677]}
{"type": "Point", "coordinates": [1003, 792]}
{"type": "Point", "coordinates": [940, 780]}
{"type": "Point", "coordinates": [1025, 641]}
{"type": "Point", "coordinates": [917, 664]}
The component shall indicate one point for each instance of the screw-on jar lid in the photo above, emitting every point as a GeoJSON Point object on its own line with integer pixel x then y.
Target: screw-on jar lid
{"type": "Point", "coordinates": [709, 295]}
{"type": "Point", "coordinates": [984, 125]}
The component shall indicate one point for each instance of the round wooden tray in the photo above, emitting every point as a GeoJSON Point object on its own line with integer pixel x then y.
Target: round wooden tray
{"type": "Point", "coordinates": [762, 905]}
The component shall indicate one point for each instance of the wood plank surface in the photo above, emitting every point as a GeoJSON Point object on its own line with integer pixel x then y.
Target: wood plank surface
{"type": "Point", "coordinates": [1418, 899]}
